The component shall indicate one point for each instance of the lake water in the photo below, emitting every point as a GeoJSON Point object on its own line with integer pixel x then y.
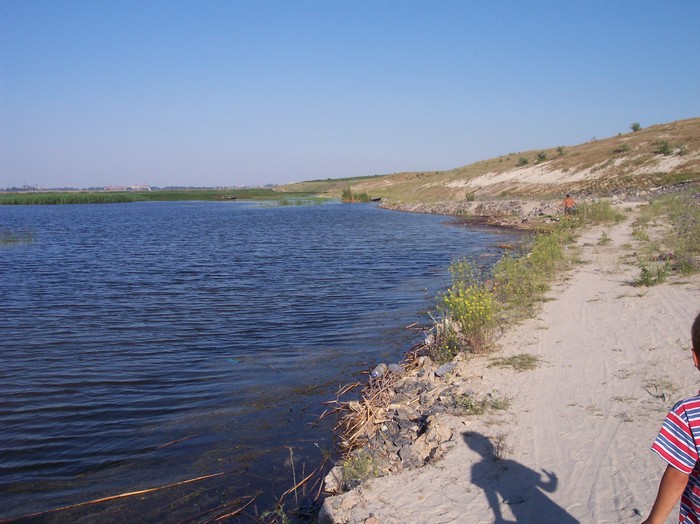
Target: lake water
{"type": "Point", "coordinates": [146, 344]}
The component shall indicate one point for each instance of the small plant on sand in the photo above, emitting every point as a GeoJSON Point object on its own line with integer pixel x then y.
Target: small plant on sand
{"type": "Point", "coordinates": [473, 406]}
{"type": "Point", "coordinates": [358, 467]}
{"type": "Point", "coordinates": [622, 148]}
{"type": "Point", "coordinates": [664, 148]}
{"type": "Point", "coordinates": [520, 362]}
{"type": "Point", "coordinates": [604, 239]}
{"type": "Point", "coordinates": [500, 448]}
{"type": "Point", "coordinates": [447, 344]}
{"type": "Point", "coordinates": [651, 277]}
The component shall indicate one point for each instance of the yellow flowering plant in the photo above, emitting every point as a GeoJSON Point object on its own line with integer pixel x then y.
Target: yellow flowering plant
{"type": "Point", "coordinates": [470, 305]}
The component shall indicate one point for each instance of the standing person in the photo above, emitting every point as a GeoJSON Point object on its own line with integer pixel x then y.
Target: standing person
{"type": "Point", "coordinates": [569, 205]}
{"type": "Point", "coordinates": [678, 443]}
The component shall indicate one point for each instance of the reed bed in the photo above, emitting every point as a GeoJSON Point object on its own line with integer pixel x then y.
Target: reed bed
{"type": "Point", "coordinates": [120, 197]}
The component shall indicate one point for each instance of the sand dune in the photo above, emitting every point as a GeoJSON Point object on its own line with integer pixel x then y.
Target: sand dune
{"type": "Point", "coordinates": [573, 445]}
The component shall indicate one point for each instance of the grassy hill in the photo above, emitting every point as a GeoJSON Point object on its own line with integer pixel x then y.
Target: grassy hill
{"type": "Point", "coordinates": [659, 155]}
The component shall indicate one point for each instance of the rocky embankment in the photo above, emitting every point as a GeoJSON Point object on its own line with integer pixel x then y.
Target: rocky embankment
{"type": "Point", "coordinates": [505, 213]}
{"type": "Point", "coordinates": [410, 430]}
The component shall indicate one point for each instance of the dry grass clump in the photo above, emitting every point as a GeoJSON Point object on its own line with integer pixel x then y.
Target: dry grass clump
{"type": "Point", "coordinates": [359, 419]}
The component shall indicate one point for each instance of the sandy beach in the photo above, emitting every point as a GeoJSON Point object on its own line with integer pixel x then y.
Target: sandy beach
{"type": "Point", "coordinates": [573, 445]}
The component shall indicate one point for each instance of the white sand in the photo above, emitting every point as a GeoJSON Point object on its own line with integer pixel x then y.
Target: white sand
{"type": "Point", "coordinates": [614, 360]}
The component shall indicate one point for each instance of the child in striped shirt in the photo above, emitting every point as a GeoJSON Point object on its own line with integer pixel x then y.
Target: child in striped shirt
{"type": "Point", "coordinates": [678, 443]}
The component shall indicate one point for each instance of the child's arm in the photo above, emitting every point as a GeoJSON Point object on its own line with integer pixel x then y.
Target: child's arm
{"type": "Point", "coordinates": [671, 488]}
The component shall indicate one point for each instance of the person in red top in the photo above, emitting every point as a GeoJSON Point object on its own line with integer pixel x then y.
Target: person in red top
{"type": "Point", "coordinates": [569, 205]}
{"type": "Point", "coordinates": [678, 443]}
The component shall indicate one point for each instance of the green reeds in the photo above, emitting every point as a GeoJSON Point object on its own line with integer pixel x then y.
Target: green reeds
{"type": "Point", "coordinates": [119, 197]}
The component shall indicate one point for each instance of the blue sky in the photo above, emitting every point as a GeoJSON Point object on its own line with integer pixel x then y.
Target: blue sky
{"type": "Point", "coordinates": [247, 92]}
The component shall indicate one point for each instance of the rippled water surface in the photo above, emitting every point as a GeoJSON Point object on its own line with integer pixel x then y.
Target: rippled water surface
{"type": "Point", "coordinates": [146, 344]}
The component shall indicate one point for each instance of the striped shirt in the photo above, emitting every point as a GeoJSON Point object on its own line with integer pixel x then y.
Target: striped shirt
{"type": "Point", "coordinates": [678, 443]}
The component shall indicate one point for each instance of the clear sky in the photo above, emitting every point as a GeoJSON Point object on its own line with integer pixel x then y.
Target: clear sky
{"type": "Point", "coordinates": [247, 92]}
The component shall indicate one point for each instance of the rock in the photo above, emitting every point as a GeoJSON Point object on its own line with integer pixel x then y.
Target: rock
{"type": "Point", "coordinates": [409, 458]}
{"type": "Point", "coordinates": [445, 369]}
{"type": "Point", "coordinates": [334, 480]}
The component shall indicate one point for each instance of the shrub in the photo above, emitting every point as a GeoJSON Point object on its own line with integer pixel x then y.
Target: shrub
{"type": "Point", "coordinates": [635, 127]}
{"type": "Point", "coordinates": [664, 148]}
{"type": "Point", "coordinates": [560, 150]}
{"type": "Point", "coordinates": [650, 277]}
{"type": "Point", "coordinates": [622, 148]}
{"type": "Point", "coordinates": [541, 156]}
{"type": "Point", "coordinates": [523, 161]}
{"type": "Point", "coordinates": [470, 306]}
{"type": "Point", "coordinates": [359, 467]}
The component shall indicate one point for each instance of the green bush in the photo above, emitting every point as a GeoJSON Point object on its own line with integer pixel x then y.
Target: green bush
{"type": "Point", "coordinates": [664, 148]}
{"type": "Point", "coordinates": [523, 161]}
{"type": "Point", "coordinates": [470, 306]}
{"type": "Point", "coordinates": [635, 127]}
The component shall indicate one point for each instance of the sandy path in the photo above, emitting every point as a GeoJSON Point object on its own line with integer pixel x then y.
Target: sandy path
{"type": "Point", "coordinates": [614, 359]}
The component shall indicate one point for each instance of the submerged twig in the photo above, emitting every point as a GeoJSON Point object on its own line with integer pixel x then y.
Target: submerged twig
{"type": "Point", "coordinates": [112, 497]}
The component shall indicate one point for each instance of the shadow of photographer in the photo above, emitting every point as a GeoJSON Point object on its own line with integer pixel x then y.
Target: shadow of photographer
{"type": "Point", "coordinates": [506, 482]}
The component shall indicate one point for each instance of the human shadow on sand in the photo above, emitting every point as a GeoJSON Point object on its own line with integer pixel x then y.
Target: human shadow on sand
{"type": "Point", "coordinates": [506, 482]}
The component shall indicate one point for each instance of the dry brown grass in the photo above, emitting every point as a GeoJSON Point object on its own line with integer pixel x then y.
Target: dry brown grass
{"type": "Point", "coordinates": [628, 161]}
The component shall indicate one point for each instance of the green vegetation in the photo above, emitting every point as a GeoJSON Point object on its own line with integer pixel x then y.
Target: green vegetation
{"type": "Point", "coordinates": [664, 148]}
{"type": "Point", "coordinates": [118, 197]}
{"type": "Point", "coordinates": [358, 467]}
{"type": "Point", "coordinates": [541, 156]}
{"type": "Point", "coordinates": [598, 212]}
{"type": "Point", "coordinates": [472, 406]}
{"type": "Point", "coordinates": [471, 306]}
{"type": "Point", "coordinates": [673, 246]}
{"type": "Point", "coordinates": [8, 236]}
{"type": "Point", "coordinates": [522, 161]}
{"type": "Point", "coordinates": [474, 305]}
{"type": "Point", "coordinates": [68, 198]}
{"type": "Point", "coordinates": [520, 362]}
{"type": "Point", "coordinates": [349, 196]}
{"type": "Point", "coordinates": [636, 126]}
{"type": "Point", "coordinates": [651, 277]}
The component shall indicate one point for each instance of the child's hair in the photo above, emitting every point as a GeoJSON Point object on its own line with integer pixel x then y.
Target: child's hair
{"type": "Point", "coordinates": [695, 335]}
